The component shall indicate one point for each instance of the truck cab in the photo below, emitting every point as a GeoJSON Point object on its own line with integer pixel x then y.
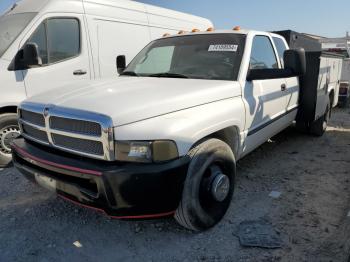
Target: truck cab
{"type": "Point", "coordinates": [163, 139]}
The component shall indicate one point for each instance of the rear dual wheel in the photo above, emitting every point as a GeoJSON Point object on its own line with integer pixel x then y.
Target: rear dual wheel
{"type": "Point", "coordinates": [208, 187]}
{"type": "Point", "coordinates": [319, 127]}
{"type": "Point", "coordinates": [9, 130]}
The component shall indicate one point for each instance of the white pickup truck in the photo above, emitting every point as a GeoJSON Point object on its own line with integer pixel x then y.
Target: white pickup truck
{"type": "Point", "coordinates": [163, 139]}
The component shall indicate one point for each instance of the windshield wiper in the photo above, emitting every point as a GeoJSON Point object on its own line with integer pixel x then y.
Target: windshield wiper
{"type": "Point", "coordinates": [170, 75]}
{"type": "Point", "coordinates": [129, 73]}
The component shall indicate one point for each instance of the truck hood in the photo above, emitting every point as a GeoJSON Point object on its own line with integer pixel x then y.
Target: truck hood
{"type": "Point", "coordinates": [131, 99]}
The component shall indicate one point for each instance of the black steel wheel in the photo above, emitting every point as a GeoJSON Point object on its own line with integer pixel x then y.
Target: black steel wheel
{"type": "Point", "coordinates": [209, 186]}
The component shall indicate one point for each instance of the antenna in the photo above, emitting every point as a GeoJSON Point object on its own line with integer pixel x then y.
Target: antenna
{"type": "Point", "coordinates": [347, 40]}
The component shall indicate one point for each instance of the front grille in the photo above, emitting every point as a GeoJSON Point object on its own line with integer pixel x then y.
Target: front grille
{"type": "Point", "coordinates": [68, 129]}
{"type": "Point", "coordinates": [35, 133]}
{"type": "Point", "coordinates": [78, 144]}
{"type": "Point", "coordinates": [31, 117]}
{"type": "Point", "coordinates": [75, 126]}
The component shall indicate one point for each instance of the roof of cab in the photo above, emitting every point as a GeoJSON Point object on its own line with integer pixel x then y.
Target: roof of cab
{"type": "Point", "coordinates": [240, 31]}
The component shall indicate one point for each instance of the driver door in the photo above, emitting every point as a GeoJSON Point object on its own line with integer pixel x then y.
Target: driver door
{"type": "Point", "coordinates": [266, 100]}
{"type": "Point", "coordinates": [64, 54]}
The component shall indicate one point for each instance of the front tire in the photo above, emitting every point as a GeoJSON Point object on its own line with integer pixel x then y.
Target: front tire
{"type": "Point", "coordinates": [9, 130]}
{"type": "Point", "coordinates": [208, 187]}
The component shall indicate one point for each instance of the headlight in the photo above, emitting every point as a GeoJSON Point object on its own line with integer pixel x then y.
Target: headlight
{"type": "Point", "coordinates": [146, 151]}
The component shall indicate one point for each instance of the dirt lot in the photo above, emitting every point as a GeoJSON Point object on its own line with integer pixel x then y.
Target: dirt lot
{"type": "Point", "coordinates": [311, 215]}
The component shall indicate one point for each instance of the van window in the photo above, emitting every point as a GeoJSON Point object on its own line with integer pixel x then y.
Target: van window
{"type": "Point", "coordinates": [64, 39]}
{"type": "Point", "coordinates": [39, 37]}
{"type": "Point", "coordinates": [281, 47]}
{"type": "Point", "coordinates": [10, 28]}
{"type": "Point", "coordinates": [263, 55]}
{"type": "Point", "coordinates": [58, 39]}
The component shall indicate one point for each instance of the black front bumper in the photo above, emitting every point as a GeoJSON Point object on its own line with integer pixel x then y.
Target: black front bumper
{"type": "Point", "coordinates": [121, 190]}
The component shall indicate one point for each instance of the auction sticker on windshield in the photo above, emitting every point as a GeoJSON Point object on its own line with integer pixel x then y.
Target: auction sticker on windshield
{"type": "Point", "coordinates": [223, 48]}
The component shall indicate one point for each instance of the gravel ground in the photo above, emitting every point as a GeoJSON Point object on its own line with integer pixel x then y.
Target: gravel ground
{"type": "Point", "coordinates": [311, 215]}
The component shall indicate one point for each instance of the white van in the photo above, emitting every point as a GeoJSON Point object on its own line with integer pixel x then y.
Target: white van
{"type": "Point", "coordinates": [45, 44]}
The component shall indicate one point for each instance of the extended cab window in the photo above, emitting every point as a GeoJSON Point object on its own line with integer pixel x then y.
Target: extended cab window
{"type": "Point", "coordinates": [58, 39]}
{"type": "Point", "coordinates": [212, 57]}
{"type": "Point", "coordinates": [281, 47]}
{"type": "Point", "coordinates": [263, 55]}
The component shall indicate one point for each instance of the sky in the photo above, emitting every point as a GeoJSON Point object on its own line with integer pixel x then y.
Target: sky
{"type": "Point", "coordinates": [328, 18]}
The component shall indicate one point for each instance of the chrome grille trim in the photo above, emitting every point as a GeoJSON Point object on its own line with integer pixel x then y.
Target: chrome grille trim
{"type": "Point", "coordinates": [106, 137]}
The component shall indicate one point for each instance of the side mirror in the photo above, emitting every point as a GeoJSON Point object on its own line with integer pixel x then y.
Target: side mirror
{"type": "Point", "coordinates": [295, 60]}
{"type": "Point", "coordinates": [27, 57]}
{"type": "Point", "coordinates": [264, 74]}
{"type": "Point", "coordinates": [121, 63]}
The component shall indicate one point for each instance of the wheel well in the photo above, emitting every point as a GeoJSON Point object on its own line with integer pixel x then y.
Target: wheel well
{"type": "Point", "coordinates": [230, 136]}
{"type": "Point", "coordinates": [8, 109]}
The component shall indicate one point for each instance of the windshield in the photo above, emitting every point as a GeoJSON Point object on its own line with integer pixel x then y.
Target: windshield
{"type": "Point", "coordinates": [208, 56]}
{"type": "Point", "coordinates": [10, 27]}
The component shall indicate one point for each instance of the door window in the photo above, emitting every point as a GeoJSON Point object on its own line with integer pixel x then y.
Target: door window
{"type": "Point", "coordinates": [281, 48]}
{"type": "Point", "coordinates": [58, 39]}
{"type": "Point", "coordinates": [263, 55]}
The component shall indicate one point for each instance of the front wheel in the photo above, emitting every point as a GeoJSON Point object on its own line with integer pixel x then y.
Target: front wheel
{"type": "Point", "coordinates": [9, 130]}
{"type": "Point", "coordinates": [208, 187]}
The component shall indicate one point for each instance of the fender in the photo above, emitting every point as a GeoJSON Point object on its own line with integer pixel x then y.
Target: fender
{"type": "Point", "coordinates": [186, 127]}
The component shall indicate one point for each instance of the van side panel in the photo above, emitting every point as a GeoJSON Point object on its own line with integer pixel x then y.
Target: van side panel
{"type": "Point", "coordinates": [128, 41]}
{"type": "Point", "coordinates": [163, 21]}
{"type": "Point", "coordinates": [12, 90]}
{"type": "Point", "coordinates": [114, 30]}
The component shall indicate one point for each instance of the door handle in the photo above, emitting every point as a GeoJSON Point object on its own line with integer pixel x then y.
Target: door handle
{"type": "Point", "coordinates": [283, 87]}
{"type": "Point", "coordinates": [79, 72]}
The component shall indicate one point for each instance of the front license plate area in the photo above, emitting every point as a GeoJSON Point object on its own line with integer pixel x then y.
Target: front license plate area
{"type": "Point", "coordinates": [46, 182]}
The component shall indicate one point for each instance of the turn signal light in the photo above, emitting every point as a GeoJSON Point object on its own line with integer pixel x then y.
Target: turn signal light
{"type": "Point", "coordinates": [210, 29]}
{"type": "Point", "coordinates": [195, 30]}
{"type": "Point", "coordinates": [237, 28]}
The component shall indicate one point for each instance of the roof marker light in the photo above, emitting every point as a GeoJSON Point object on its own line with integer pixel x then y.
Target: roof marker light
{"type": "Point", "coordinates": [181, 32]}
{"type": "Point", "coordinates": [166, 35]}
{"type": "Point", "coordinates": [210, 29]}
{"type": "Point", "coordinates": [237, 28]}
{"type": "Point", "coordinates": [195, 30]}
